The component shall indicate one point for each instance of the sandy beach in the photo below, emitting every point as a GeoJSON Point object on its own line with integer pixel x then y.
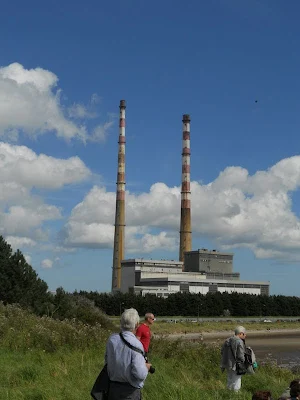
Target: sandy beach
{"type": "Point", "coordinates": [278, 345]}
{"type": "Point", "coordinates": [209, 336]}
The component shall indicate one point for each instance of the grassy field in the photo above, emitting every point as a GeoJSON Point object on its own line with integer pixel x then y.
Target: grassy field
{"type": "Point", "coordinates": [42, 359]}
{"type": "Point", "coordinates": [164, 328]}
{"type": "Point", "coordinates": [181, 373]}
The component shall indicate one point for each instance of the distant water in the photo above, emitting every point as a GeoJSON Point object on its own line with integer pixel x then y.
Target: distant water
{"type": "Point", "coordinates": [283, 350]}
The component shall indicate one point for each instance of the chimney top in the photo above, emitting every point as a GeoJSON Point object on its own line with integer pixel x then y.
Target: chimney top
{"type": "Point", "coordinates": [122, 104]}
{"type": "Point", "coordinates": [186, 118]}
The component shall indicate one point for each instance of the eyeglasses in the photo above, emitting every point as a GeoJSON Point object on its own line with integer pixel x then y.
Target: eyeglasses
{"type": "Point", "coordinates": [153, 319]}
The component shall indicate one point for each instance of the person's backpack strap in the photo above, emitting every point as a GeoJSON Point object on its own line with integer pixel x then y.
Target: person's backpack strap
{"type": "Point", "coordinates": [131, 346]}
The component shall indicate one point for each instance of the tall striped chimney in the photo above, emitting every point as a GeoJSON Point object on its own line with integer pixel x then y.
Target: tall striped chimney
{"type": "Point", "coordinates": [119, 239]}
{"type": "Point", "coordinates": [185, 220]}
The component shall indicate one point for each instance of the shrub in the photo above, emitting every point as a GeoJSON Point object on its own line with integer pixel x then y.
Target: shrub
{"type": "Point", "coordinates": [73, 306]}
{"type": "Point", "coordinates": [22, 330]}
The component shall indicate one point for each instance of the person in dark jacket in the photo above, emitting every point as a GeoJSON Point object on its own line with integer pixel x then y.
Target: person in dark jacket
{"type": "Point", "coordinates": [295, 390]}
{"type": "Point", "coordinates": [233, 352]}
{"type": "Point", "coordinates": [286, 395]}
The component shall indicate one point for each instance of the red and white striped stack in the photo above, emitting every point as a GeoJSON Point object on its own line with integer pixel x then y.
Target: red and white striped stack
{"type": "Point", "coordinates": [119, 238]}
{"type": "Point", "coordinates": [185, 220]}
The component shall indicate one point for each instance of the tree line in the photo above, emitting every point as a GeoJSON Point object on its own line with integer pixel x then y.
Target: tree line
{"type": "Point", "coordinates": [19, 283]}
{"type": "Point", "coordinates": [192, 305]}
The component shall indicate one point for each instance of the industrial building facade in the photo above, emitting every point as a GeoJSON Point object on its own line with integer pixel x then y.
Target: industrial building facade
{"type": "Point", "coordinates": [211, 262]}
{"type": "Point", "coordinates": [164, 277]}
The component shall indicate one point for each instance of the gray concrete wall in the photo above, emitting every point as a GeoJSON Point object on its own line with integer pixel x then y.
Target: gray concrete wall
{"type": "Point", "coordinates": [198, 261]}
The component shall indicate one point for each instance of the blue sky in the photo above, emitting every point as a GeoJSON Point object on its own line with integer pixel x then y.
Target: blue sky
{"type": "Point", "coordinates": [232, 65]}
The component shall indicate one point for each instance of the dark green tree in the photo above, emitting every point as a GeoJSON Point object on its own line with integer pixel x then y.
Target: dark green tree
{"type": "Point", "coordinates": [19, 283]}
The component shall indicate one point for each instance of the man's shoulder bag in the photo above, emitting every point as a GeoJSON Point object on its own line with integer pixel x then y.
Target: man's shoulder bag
{"type": "Point", "coordinates": [101, 385]}
{"type": "Point", "coordinates": [240, 366]}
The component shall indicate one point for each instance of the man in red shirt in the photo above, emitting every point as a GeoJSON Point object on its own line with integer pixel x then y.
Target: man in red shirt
{"type": "Point", "coordinates": [143, 332]}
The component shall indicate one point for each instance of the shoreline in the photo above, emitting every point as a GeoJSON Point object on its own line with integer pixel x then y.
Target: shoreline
{"type": "Point", "coordinates": [203, 336]}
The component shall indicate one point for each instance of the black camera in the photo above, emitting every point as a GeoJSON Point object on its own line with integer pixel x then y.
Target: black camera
{"type": "Point", "coordinates": [152, 370]}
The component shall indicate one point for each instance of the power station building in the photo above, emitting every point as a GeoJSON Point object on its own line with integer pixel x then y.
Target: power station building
{"type": "Point", "coordinates": [197, 271]}
{"type": "Point", "coordinates": [164, 277]}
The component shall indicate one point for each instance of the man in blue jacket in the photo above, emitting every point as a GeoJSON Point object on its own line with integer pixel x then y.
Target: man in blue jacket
{"type": "Point", "coordinates": [127, 369]}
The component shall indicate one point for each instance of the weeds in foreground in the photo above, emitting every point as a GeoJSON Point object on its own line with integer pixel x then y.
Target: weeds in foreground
{"type": "Point", "coordinates": [43, 359]}
{"type": "Point", "coordinates": [22, 330]}
{"type": "Point", "coordinates": [190, 373]}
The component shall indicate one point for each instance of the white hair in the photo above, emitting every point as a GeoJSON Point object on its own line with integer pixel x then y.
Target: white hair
{"type": "Point", "coordinates": [129, 319]}
{"type": "Point", "coordinates": [239, 329]}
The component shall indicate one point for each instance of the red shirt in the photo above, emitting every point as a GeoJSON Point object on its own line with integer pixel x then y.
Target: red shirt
{"type": "Point", "coordinates": [144, 333]}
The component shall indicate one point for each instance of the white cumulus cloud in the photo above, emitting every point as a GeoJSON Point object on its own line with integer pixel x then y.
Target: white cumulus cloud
{"type": "Point", "coordinates": [28, 258]}
{"type": "Point", "coordinates": [22, 213]}
{"type": "Point", "coordinates": [100, 132]}
{"type": "Point", "coordinates": [18, 242]}
{"type": "Point", "coordinates": [235, 210]}
{"type": "Point", "coordinates": [21, 165]}
{"type": "Point", "coordinates": [47, 263]}
{"type": "Point", "coordinates": [91, 224]}
{"type": "Point", "coordinates": [30, 102]}
{"type": "Point", "coordinates": [80, 111]}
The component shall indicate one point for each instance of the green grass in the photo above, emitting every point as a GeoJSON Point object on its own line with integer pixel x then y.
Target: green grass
{"type": "Point", "coordinates": [37, 375]}
{"type": "Point", "coordinates": [182, 372]}
{"type": "Point", "coordinates": [42, 359]}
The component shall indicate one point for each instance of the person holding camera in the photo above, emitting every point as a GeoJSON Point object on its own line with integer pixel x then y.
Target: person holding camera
{"type": "Point", "coordinates": [233, 358]}
{"type": "Point", "coordinates": [126, 365]}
